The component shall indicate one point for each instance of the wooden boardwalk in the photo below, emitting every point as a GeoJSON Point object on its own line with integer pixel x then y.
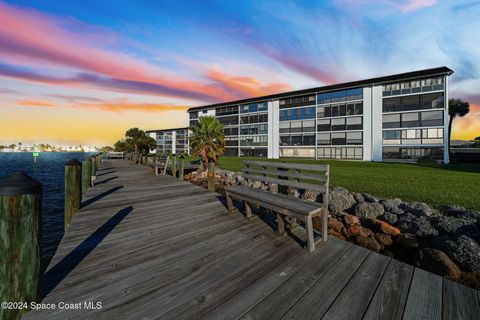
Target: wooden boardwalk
{"type": "Point", "coordinates": [154, 247]}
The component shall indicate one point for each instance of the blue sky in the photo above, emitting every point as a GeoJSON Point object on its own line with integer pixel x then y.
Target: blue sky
{"type": "Point", "coordinates": [143, 63]}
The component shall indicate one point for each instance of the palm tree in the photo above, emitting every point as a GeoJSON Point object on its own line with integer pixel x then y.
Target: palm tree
{"type": "Point", "coordinates": [207, 139]}
{"type": "Point", "coordinates": [134, 136]}
{"type": "Point", "coordinates": [456, 107]}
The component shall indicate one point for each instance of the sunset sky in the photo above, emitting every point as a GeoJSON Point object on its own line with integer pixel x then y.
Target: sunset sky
{"type": "Point", "coordinates": [82, 72]}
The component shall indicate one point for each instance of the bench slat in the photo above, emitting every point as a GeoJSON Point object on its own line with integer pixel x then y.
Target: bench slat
{"type": "Point", "coordinates": [299, 166]}
{"type": "Point", "coordinates": [288, 183]}
{"type": "Point", "coordinates": [300, 206]}
{"type": "Point", "coordinates": [287, 174]}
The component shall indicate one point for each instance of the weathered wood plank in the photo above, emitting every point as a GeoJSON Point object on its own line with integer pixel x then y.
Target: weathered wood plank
{"type": "Point", "coordinates": [288, 183]}
{"type": "Point", "coordinates": [285, 165]}
{"type": "Point", "coordinates": [285, 296]}
{"type": "Point", "coordinates": [391, 295]}
{"type": "Point", "coordinates": [459, 302]}
{"type": "Point", "coordinates": [359, 290]}
{"type": "Point", "coordinates": [425, 296]}
{"type": "Point", "coordinates": [295, 175]}
{"type": "Point", "coordinates": [324, 292]}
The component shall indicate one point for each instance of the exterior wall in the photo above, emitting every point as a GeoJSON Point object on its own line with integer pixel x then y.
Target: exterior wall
{"type": "Point", "coordinates": [171, 140]}
{"type": "Point", "coordinates": [348, 125]}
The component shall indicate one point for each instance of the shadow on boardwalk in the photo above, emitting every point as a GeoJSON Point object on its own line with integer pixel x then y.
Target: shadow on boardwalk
{"type": "Point", "coordinates": [56, 274]}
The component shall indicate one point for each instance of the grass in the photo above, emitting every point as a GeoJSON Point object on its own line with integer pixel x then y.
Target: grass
{"type": "Point", "coordinates": [431, 183]}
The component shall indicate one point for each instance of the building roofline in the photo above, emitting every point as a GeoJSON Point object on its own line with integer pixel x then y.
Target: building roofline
{"type": "Point", "coordinates": [360, 83]}
{"type": "Point", "coordinates": [169, 129]}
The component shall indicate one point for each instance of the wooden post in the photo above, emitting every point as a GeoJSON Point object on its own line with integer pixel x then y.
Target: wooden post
{"type": "Point", "coordinates": [20, 250]}
{"type": "Point", "coordinates": [86, 175]}
{"type": "Point", "coordinates": [211, 176]}
{"type": "Point", "coordinates": [181, 169]}
{"type": "Point", "coordinates": [73, 189]}
{"type": "Point", "coordinates": [174, 165]}
{"type": "Point", "coordinates": [93, 172]}
{"type": "Point", "coordinates": [200, 166]}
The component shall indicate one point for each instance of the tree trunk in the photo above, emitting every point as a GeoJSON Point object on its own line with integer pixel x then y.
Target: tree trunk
{"type": "Point", "coordinates": [450, 121]}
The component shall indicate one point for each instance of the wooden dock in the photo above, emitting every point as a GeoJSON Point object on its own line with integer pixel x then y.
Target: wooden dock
{"type": "Point", "coordinates": [155, 247]}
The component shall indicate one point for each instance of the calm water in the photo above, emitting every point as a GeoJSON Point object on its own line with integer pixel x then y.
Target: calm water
{"type": "Point", "coordinates": [49, 171]}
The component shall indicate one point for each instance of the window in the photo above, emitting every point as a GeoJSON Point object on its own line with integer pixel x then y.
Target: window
{"type": "Point", "coordinates": [285, 141]}
{"type": "Point", "coordinates": [415, 86]}
{"type": "Point", "coordinates": [254, 107]}
{"type": "Point", "coordinates": [253, 152]}
{"type": "Point", "coordinates": [254, 118]}
{"type": "Point", "coordinates": [411, 136]}
{"type": "Point", "coordinates": [297, 114]}
{"type": "Point", "coordinates": [354, 138]}
{"type": "Point", "coordinates": [323, 138]}
{"type": "Point", "coordinates": [432, 118]}
{"type": "Point", "coordinates": [392, 136]}
{"type": "Point", "coordinates": [228, 120]}
{"type": "Point", "coordinates": [432, 136]}
{"type": "Point", "coordinates": [338, 124]}
{"type": "Point", "coordinates": [323, 125]}
{"type": "Point", "coordinates": [354, 123]}
{"type": "Point", "coordinates": [432, 101]}
{"type": "Point", "coordinates": [253, 140]}
{"type": "Point", "coordinates": [412, 154]}
{"type": "Point", "coordinates": [340, 153]}
{"type": "Point", "coordinates": [254, 129]}
{"type": "Point", "coordinates": [194, 115]}
{"type": "Point", "coordinates": [297, 152]}
{"type": "Point", "coordinates": [223, 111]}
{"type": "Point", "coordinates": [231, 131]}
{"type": "Point", "coordinates": [232, 152]}
{"type": "Point", "coordinates": [297, 101]}
{"type": "Point", "coordinates": [338, 96]}
{"type": "Point", "coordinates": [339, 138]}
{"type": "Point", "coordinates": [410, 120]}
{"type": "Point", "coordinates": [391, 121]}
{"type": "Point", "coordinates": [308, 126]}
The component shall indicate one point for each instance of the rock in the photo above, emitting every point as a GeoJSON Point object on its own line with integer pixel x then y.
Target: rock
{"type": "Point", "coordinates": [335, 225]}
{"type": "Point", "coordinates": [383, 227]}
{"type": "Point", "coordinates": [462, 213]}
{"type": "Point", "coordinates": [293, 192]}
{"type": "Point", "coordinates": [455, 226]}
{"type": "Point", "coordinates": [311, 196]}
{"type": "Point", "coordinates": [340, 200]}
{"type": "Point", "coordinates": [368, 243]}
{"type": "Point", "coordinates": [407, 241]}
{"type": "Point", "coordinates": [359, 230]}
{"type": "Point", "coordinates": [389, 217]}
{"type": "Point", "coordinates": [471, 279]}
{"type": "Point", "coordinates": [350, 219]}
{"type": "Point", "coordinates": [384, 239]}
{"type": "Point", "coordinates": [358, 198]}
{"type": "Point", "coordinates": [257, 184]}
{"type": "Point", "coordinates": [369, 198]}
{"type": "Point", "coordinates": [420, 227]}
{"type": "Point", "coordinates": [367, 210]}
{"type": "Point", "coordinates": [393, 206]}
{"type": "Point", "coordinates": [419, 209]}
{"type": "Point", "coordinates": [274, 188]}
{"type": "Point", "coordinates": [464, 251]}
{"type": "Point", "coordinates": [438, 262]}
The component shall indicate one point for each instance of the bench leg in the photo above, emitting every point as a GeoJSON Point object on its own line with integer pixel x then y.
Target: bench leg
{"type": "Point", "coordinates": [229, 202]}
{"type": "Point", "coordinates": [280, 225]}
{"type": "Point", "coordinates": [325, 225]}
{"type": "Point", "coordinates": [292, 222]}
{"type": "Point", "coordinates": [248, 211]}
{"type": "Point", "coordinates": [309, 230]}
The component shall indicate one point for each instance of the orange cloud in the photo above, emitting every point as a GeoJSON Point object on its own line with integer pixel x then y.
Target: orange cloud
{"type": "Point", "coordinates": [124, 105]}
{"type": "Point", "coordinates": [35, 103]}
{"type": "Point", "coordinates": [245, 87]}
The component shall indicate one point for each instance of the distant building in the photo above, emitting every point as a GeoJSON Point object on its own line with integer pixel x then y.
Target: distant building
{"type": "Point", "coordinates": [462, 144]}
{"type": "Point", "coordinates": [174, 141]}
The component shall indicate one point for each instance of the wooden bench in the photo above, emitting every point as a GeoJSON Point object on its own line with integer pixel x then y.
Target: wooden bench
{"type": "Point", "coordinates": [161, 164]}
{"type": "Point", "coordinates": [293, 176]}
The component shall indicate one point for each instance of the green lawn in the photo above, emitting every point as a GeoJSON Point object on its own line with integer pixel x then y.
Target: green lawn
{"type": "Point", "coordinates": [434, 184]}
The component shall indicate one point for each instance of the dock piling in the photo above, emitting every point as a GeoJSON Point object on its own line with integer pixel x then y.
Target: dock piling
{"type": "Point", "coordinates": [174, 165]}
{"type": "Point", "coordinates": [20, 226]}
{"type": "Point", "coordinates": [73, 189]}
{"type": "Point", "coordinates": [86, 175]}
{"type": "Point", "coordinates": [181, 167]}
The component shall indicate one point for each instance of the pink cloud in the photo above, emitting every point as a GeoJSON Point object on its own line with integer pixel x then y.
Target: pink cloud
{"type": "Point", "coordinates": [28, 35]}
